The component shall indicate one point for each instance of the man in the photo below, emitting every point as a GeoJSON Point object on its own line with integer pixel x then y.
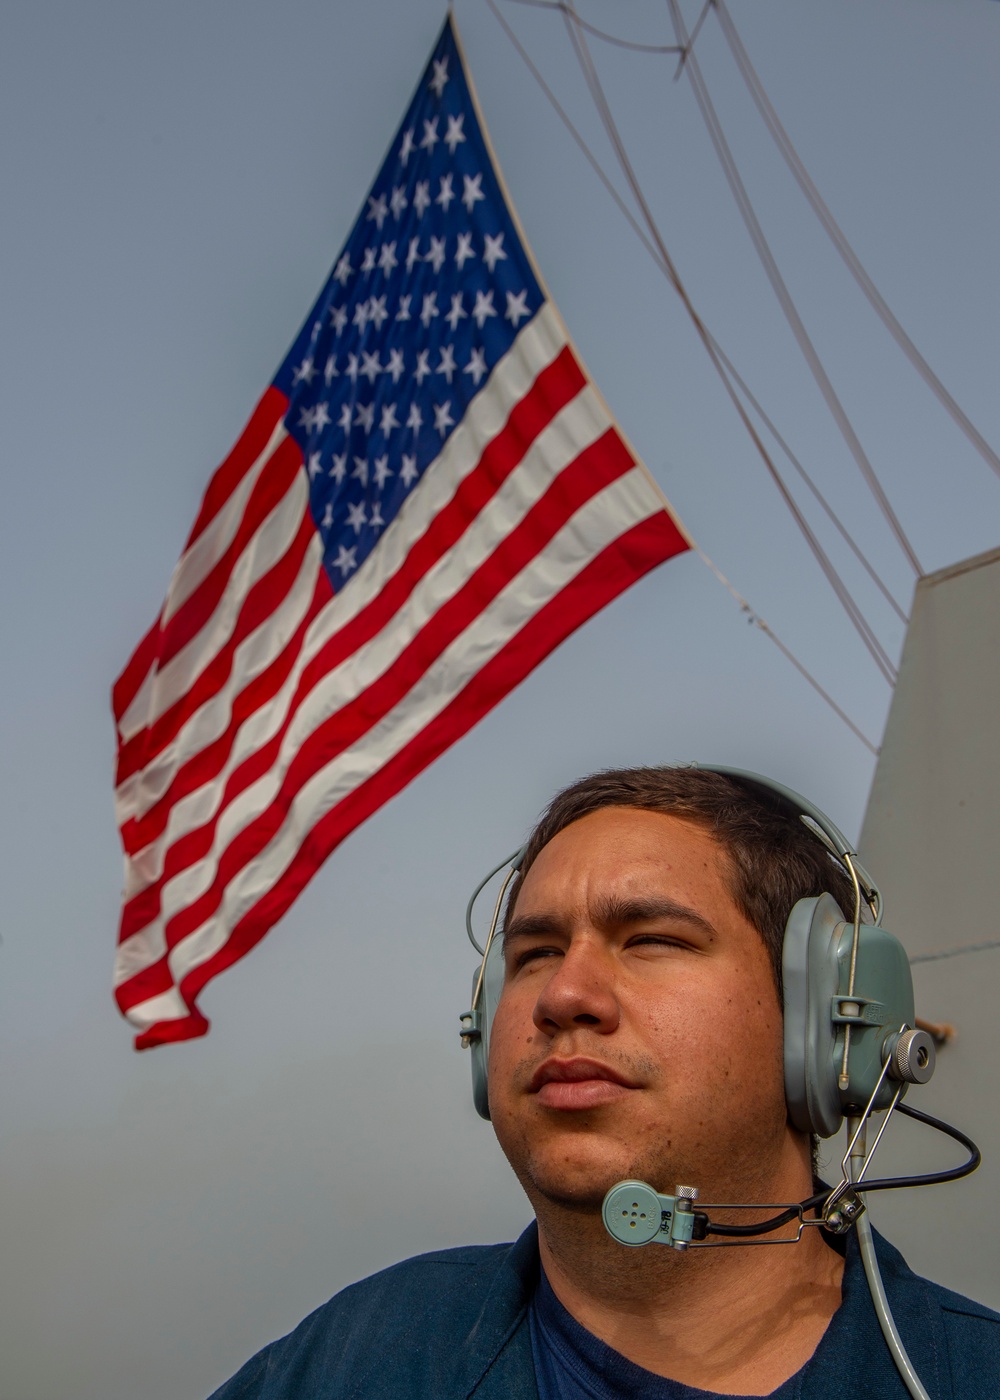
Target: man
{"type": "Point", "coordinates": [639, 1035]}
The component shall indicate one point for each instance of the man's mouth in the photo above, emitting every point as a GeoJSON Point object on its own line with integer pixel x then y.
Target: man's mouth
{"type": "Point", "coordinates": [578, 1083]}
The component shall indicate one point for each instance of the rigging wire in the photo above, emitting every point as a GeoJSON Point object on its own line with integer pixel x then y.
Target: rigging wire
{"type": "Point", "coordinates": [647, 243]}
{"type": "Point", "coordinates": [854, 613]}
{"type": "Point", "coordinates": [839, 238]}
{"type": "Point", "coordinates": [664, 263]}
{"type": "Point", "coordinates": [834, 518]}
{"type": "Point", "coordinates": [601, 33]}
{"type": "Point", "coordinates": [757, 237]}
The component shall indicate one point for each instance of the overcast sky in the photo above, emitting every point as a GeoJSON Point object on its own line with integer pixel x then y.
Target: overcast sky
{"type": "Point", "coordinates": [176, 182]}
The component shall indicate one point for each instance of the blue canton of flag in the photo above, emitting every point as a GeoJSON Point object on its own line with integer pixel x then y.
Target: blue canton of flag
{"type": "Point", "coordinates": [428, 499]}
{"type": "Point", "coordinates": [425, 299]}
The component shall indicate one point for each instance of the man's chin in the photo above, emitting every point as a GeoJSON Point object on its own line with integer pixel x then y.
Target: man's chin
{"type": "Point", "coordinates": [579, 1186]}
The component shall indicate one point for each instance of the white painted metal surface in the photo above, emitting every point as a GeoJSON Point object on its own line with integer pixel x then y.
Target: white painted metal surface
{"type": "Point", "coordinates": [931, 840]}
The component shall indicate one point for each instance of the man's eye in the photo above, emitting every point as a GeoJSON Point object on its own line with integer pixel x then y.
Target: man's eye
{"type": "Point", "coordinates": [528, 955]}
{"type": "Point", "coordinates": [662, 940]}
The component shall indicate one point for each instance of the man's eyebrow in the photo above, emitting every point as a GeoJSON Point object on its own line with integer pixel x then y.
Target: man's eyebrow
{"type": "Point", "coordinates": [532, 926]}
{"type": "Point", "coordinates": [612, 911]}
{"type": "Point", "coordinates": [616, 910]}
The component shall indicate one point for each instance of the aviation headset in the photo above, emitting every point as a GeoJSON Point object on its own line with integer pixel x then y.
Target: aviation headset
{"type": "Point", "coordinates": [848, 992]}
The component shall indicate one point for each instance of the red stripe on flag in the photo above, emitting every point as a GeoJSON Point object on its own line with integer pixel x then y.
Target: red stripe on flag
{"type": "Point", "coordinates": [249, 445]}
{"type": "Point", "coordinates": [209, 761]}
{"type": "Point", "coordinates": [612, 571]}
{"type": "Point", "coordinates": [266, 595]}
{"type": "Point", "coordinates": [128, 684]}
{"type": "Point", "coordinates": [268, 491]}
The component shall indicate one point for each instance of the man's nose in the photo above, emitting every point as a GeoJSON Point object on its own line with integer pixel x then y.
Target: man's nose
{"type": "Point", "coordinates": [579, 992]}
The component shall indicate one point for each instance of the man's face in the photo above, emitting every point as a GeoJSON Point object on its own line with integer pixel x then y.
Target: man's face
{"type": "Point", "coordinates": [639, 1032]}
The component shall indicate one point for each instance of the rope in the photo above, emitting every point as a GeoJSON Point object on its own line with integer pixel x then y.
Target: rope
{"type": "Point", "coordinates": [854, 613]}
{"type": "Point", "coordinates": [840, 242]}
{"type": "Point", "coordinates": [782, 293]}
{"type": "Point", "coordinates": [643, 238]}
{"type": "Point", "coordinates": [601, 33]}
{"type": "Point", "coordinates": [758, 621]}
{"type": "Point", "coordinates": [956, 952]}
{"type": "Point", "coordinates": [664, 263]}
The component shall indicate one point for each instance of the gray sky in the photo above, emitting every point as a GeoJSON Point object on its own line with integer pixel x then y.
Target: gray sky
{"type": "Point", "coordinates": [176, 183]}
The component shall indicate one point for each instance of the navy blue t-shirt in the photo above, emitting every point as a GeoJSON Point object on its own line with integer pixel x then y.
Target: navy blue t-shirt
{"type": "Point", "coordinates": [572, 1364]}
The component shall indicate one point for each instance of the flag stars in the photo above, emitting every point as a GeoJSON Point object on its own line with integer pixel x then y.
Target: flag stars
{"type": "Point", "coordinates": [408, 471]}
{"type": "Point", "coordinates": [398, 202]}
{"type": "Point", "coordinates": [395, 367]}
{"type": "Point", "coordinates": [407, 147]}
{"type": "Point", "coordinates": [346, 560]}
{"type": "Point", "coordinates": [454, 136]}
{"type": "Point", "coordinates": [331, 372]}
{"type": "Point", "coordinates": [483, 308]}
{"type": "Point", "coordinates": [517, 308]}
{"type": "Point", "coordinates": [364, 416]}
{"type": "Point", "coordinates": [457, 312]}
{"type": "Point", "coordinates": [403, 313]}
{"type": "Point", "coordinates": [381, 473]}
{"type": "Point", "coordinates": [429, 309]}
{"type": "Point", "coordinates": [352, 373]}
{"type": "Point", "coordinates": [321, 417]}
{"type": "Point", "coordinates": [476, 366]}
{"type": "Point", "coordinates": [357, 517]}
{"type": "Point", "coordinates": [375, 519]}
{"type": "Point", "coordinates": [447, 366]}
{"type": "Point", "coordinates": [339, 468]}
{"type": "Point", "coordinates": [423, 367]}
{"type": "Point", "coordinates": [436, 256]}
{"type": "Point", "coordinates": [388, 419]}
{"type": "Point", "coordinates": [421, 197]}
{"type": "Point", "coordinates": [368, 261]}
{"type": "Point", "coordinates": [327, 521]}
{"type": "Point", "coordinates": [439, 80]}
{"type": "Point", "coordinates": [387, 259]}
{"type": "Point", "coordinates": [415, 419]}
{"type": "Point", "coordinates": [472, 191]}
{"type": "Point", "coordinates": [315, 467]}
{"type": "Point", "coordinates": [344, 421]}
{"type": "Point", "coordinates": [442, 417]}
{"type": "Point", "coordinates": [377, 312]}
{"type": "Point", "coordinates": [361, 316]}
{"type": "Point", "coordinates": [338, 319]}
{"type": "Point", "coordinates": [343, 270]}
{"type": "Point", "coordinates": [446, 194]}
{"type": "Point", "coordinates": [371, 365]}
{"type": "Point", "coordinates": [430, 137]}
{"type": "Point", "coordinates": [413, 254]}
{"type": "Point", "coordinates": [360, 472]}
{"type": "Point", "coordinates": [464, 250]}
{"type": "Point", "coordinates": [377, 210]}
{"type": "Point", "coordinates": [493, 251]}
{"type": "Point", "coordinates": [304, 373]}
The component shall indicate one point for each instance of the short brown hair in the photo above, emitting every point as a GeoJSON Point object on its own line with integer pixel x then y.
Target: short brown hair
{"type": "Point", "coordinates": [774, 858]}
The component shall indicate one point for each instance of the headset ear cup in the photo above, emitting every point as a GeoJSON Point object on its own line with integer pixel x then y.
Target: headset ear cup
{"type": "Point", "coordinates": [480, 1088]}
{"type": "Point", "coordinates": [816, 960]}
{"type": "Point", "coordinates": [489, 998]}
{"type": "Point", "coordinates": [810, 978]}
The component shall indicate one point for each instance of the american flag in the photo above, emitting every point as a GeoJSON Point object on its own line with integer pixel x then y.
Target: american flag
{"type": "Point", "coordinates": [429, 497]}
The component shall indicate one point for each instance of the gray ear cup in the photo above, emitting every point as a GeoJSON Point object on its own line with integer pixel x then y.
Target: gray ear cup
{"type": "Point", "coordinates": [489, 998]}
{"type": "Point", "coordinates": [816, 963]}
